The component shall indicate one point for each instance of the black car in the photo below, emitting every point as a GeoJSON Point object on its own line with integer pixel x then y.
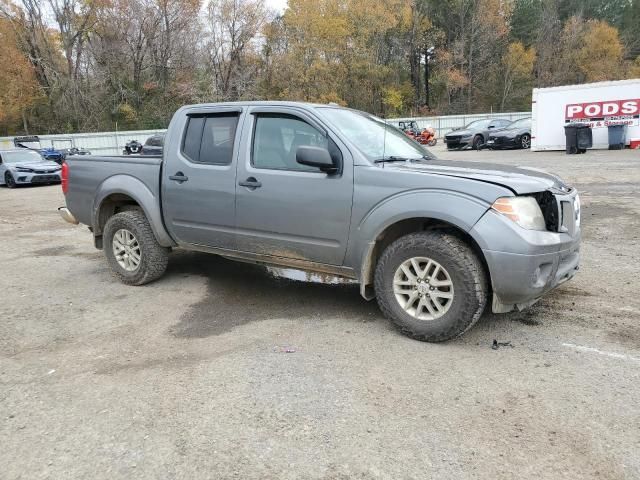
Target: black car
{"type": "Point", "coordinates": [154, 145]}
{"type": "Point", "coordinates": [515, 135]}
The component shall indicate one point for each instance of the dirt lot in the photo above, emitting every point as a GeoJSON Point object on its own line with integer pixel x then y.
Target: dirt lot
{"type": "Point", "coordinates": [188, 377]}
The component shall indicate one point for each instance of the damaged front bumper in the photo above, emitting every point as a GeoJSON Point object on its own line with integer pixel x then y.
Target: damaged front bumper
{"type": "Point", "coordinates": [525, 264]}
{"type": "Point", "coordinates": [519, 281]}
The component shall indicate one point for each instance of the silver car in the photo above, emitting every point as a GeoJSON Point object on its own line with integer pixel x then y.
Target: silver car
{"type": "Point", "coordinates": [475, 134]}
{"type": "Point", "coordinates": [26, 167]}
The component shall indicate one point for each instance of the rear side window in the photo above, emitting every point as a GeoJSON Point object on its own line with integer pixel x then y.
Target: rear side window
{"type": "Point", "coordinates": [209, 139]}
{"type": "Point", "coordinates": [192, 138]}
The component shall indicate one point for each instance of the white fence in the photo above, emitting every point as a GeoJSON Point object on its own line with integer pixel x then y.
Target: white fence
{"type": "Point", "coordinates": [103, 143]}
{"type": "Point", "coordinates": [445, 124]}
{"type": "Point", "coordinates": [112, 143]}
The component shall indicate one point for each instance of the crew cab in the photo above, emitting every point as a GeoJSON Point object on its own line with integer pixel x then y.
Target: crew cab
{"type": "Point", "coordinates": [329, 189]}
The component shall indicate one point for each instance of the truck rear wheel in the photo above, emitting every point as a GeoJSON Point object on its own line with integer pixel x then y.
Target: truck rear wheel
{"type": "Point", "coordinates": [131, 248]}
{"type": "Point", "coordinates": [431, 285]}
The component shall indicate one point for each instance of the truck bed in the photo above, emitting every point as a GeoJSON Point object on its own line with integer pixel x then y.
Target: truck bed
{"type": "Point", "coordinates": [91, 177]}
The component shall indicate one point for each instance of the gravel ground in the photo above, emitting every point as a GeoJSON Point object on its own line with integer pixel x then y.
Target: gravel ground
{"type": "Point", "coordinates": [190, 377]}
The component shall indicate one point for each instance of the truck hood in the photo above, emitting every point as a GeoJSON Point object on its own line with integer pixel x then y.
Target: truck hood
{"type": "Point", "coordinates": [39, 165]}
{"type": "Point", "coordinates": [521, 180]}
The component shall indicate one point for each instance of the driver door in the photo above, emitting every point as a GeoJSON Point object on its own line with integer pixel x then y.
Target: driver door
{"type": "Point", "coordinates": [285, 209]}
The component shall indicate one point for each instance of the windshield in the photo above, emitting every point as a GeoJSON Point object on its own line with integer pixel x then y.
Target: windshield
{"type": "Point", "coordinates": [523, 123]}
{"type": "Point", "coordinates": [376, 139]}
{"type": "Point", "coordinates": [18, 157]}
{"type": "Point", "coordinates": [479, 124]}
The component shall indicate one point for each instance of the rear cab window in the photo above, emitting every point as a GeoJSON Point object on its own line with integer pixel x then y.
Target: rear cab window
{"type": "Point", "coordinates": [209, 139]}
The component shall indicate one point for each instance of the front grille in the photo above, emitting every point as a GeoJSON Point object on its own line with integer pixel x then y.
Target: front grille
{"type": "Point", "coordinates": [549, 206]}
{"type": "Point", "coordinates": [45, 179]}
{"type": "Point", "coordinates": [453, 138]}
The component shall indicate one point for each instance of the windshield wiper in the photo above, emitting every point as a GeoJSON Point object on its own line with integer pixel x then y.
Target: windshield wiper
{"type": "Point", "coordinates": [401, 159]}
{"type": "Point", "coordinates": [391, 159]}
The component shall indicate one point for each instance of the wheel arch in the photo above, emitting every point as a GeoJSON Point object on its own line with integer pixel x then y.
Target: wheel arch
{"type": "Point", "coordinates": [399, 228]}
{"type": "Point", "coordinates": [123, 192]}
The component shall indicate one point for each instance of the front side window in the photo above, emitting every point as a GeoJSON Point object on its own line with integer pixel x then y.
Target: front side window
{"type": "Point", "coordinates": [276, 139]}
{"type": "Point", "coordinates": [209, 139]}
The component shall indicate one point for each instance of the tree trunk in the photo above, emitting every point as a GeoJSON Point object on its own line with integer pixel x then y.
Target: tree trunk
{"type": "Point", "coordinates": [24, 123]}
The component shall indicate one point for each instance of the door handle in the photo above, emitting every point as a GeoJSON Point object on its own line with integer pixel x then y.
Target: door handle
{"type": "Point", "coordinates": [179, 177]}
{"type": "Point", "coordinates": [250, 183]}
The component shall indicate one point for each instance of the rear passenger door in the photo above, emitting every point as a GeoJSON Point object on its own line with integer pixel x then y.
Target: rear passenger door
{"type": "Point", "coordinates": [199, 178]}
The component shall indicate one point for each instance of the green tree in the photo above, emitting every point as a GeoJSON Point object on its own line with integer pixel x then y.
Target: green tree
{"type": "Point", "coordinates": [516, 77]}
{"type": "Point", "coordinates": [601, 53]}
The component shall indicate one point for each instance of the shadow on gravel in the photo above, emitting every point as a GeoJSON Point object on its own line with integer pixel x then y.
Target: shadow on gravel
{"type": "Point", "coordinates": [241, 293]}
{"type": "Point", "coordinates": [66, 251]}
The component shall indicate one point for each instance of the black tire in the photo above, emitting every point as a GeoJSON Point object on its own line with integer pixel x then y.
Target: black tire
{"type": "Point", "coordinates": [478, 141]}
{"type": "Point", "coordinates": [153, 257]}
{"type": "Point", "coordinates": [525, 141]}
{"type": "Point", "coordinates": [9, 181]}
{"type": "Point", "coordinates": [467, 274]}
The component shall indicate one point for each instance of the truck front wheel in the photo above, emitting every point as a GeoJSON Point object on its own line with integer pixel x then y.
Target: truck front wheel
{"type": "Point", "coordinates": [131, 248]}
{"type": "Point", "coordinates": [431, 285]}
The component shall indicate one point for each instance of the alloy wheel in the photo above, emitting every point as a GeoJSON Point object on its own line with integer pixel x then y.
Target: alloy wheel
{"type": "Point", "coordinates": [423, 288]}
{"type": "Point", "coordinates": [126, 250]}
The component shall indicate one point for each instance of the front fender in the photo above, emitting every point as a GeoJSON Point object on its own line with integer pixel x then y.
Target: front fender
{"type": "Point", "coordinates": [138, 191]}
{"type": "Point", "coordinates": [455, 208]}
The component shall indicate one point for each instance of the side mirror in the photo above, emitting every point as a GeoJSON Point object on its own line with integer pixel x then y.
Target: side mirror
{"type": "Point", "coordinates": [491, 126]}
{"type": "Point", "coordinates": [316, 157]}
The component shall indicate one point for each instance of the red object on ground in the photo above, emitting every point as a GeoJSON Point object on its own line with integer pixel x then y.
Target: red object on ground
{"type": "Point", "coordinates": [634, 143]}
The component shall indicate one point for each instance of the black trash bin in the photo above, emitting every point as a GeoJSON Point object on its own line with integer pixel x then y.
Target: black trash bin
{"type": "Point", "coordinates": [616, 137]}
{"type": "Point", "coordinates": [585, 138]}
{"type": "Point", "coordinates": [578, 137]}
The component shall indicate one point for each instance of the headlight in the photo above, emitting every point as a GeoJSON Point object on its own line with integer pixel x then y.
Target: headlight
{"type": "Point", "coordinates": [525, 211]}
{"type": "Point", "coordinates": [577, 207]}
{"type": "Point", "coordinates": [22, 169]}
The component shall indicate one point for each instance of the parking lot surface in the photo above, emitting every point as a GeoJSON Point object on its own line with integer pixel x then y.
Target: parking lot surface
{"type": "Point", "coordinates": [222, 370]}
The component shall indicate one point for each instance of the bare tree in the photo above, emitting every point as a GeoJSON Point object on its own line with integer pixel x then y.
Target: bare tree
{"type": "Point", "coordinates": [233, 27]}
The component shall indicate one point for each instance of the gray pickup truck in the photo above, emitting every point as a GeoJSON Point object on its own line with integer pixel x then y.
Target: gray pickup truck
{"type": "Point", "coordinates": [328, 189]}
